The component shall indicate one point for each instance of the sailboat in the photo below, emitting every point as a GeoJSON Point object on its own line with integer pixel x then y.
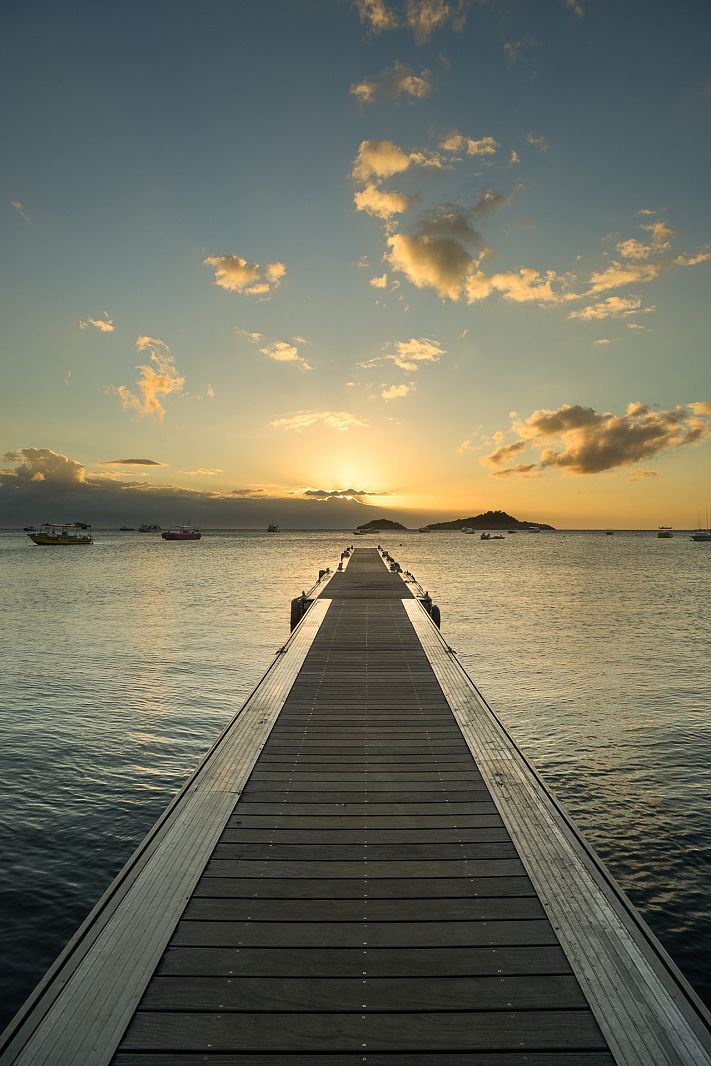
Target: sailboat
{"type": "Point", "coordinates": [701, 534]}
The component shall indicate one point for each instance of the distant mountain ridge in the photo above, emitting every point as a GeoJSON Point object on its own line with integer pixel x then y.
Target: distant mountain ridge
{"type": "Point", "coordinates": [489, 520]}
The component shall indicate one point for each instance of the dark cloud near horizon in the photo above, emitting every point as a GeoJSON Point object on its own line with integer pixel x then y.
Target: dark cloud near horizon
{"type": "Point", "coordinates": [131, 462]}
{"type": "Point", "coordinates": [333, 494]}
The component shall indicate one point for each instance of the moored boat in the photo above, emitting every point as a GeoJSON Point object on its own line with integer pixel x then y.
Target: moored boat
{"type": "Point", "coordinates": [182, 533]}
{"type": "Point", "coordinates": [63, 534]}
{"type": "Point", "coordinates": [149, 527]}
{"type": "Point", "coordinates": [273, 528]}
{"type": "Point", "coordinates": [665, 533]}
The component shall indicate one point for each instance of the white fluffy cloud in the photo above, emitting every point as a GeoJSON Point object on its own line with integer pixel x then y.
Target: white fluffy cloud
{"type": "Point", "coordinates": [379, 159]}
{"type": "Point", "coordinates": [235, 274]}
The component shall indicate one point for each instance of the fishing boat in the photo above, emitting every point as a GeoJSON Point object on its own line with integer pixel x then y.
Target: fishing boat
{"type": "Point", "coordinates": [64, 534]}
{"type": "Point", "coordinates": [273, 528]}
{"type": "Point", "coordinates": [665, 533]}
{"type": "Point", "coordinates": [149, 527]}
{"type": "Point", "coordinates": [182, 533]}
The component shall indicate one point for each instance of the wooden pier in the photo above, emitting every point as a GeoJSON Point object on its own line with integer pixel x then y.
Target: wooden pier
{"type": "Point", "coordinates": [363, 869]}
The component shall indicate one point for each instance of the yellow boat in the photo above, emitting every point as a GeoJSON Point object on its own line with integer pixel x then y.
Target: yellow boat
{"type": "Point", "coordinates": [68, 533]}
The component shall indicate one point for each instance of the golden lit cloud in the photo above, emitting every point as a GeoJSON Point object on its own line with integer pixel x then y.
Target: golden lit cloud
{"type": "Point", "coordinates": [581, 440]}
{"type": "Point", "coordinates": [612, 307]}
{"type": "Point", "coordinates": [104, 325]}
{"type": "Point", "coordinates": [338, 420]}
{"type": "Point", "coordinates": [364, 91]}
{"type": "Point", "coordinates": [396, 392]}
{"type": "Point", "coordinates": [410, 353]}
{"type": "Point", "coordinates": [522, 286]}
{"type": "Point", "coordinates": [701, 407]}
{"type": "Point", "coordinates": [203, 471]}
{"type": "Point", "coordinates": [380, 204]}
{"type": "Point", "coordinates": [379, 282]}
{"type": "Point", "coordinates": [19, 208]}
{"type": "Point", "coordinates": [457, 142]}
{"type": "Point", "coordinates": [425, 16]}
{"type": "Point", "coordinates": [576, 7]}
{"type": "Point", "coordinates": [379, 159]}
{"type": "Point", "coordinates": [376, 15]}
{"type": "Point", "coordinates": [156, 379]}
{"type": "Point", "coordinates": [396, 82]}
{"type": "Point", "coordinates": [441, 263]}
{"type": "Point", "coordinates": [235, 274]}
{"type": "Point", "coordinates": [537, 141]}
{"type": "Point", "coordinates": [131, 462]}
{"type": "Point", "coordinates": [283, 352]}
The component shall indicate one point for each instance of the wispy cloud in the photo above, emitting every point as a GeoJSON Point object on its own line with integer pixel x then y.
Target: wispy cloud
{"type": "Point", "coordinates": [338, 420]}
{"type": "Point", "coordinates": [156, 379]}
{"type": "Point", "coordinates": [425, 16]}
{"type": "Point", "coordinates": [342, 494]}
{"type": "Point", "coordinates": [538, 141]}
{"type": "Point", "coordinates": [409, 354]}
{"type": "Point", "coordinates": [235, 274]}
{"type": "Point", "coordinates": [396, 392]}
{"type": "Point", "coordinates": [457, 142]}
{"type": "Point", "coordinates": [575, 6]}
{"type": "Point", "coordinates": [581, 440]}
{"type": "Point", "coordinates": [104, 324]}
{"type": "Point", "coordinates": [20, 209]}
{"type": "Point", "coordinates": [380, 281]}
{"type": "Point", "coordinates": [397, 82]}
{"type": "Point", "coordinates": [203, 471]}
{"type": "Point", "coordinates": [612, 307]}
{"type": "Point", "coordinates": [376, 15]}
{"type": "Point", "coordinates": [283, 352]}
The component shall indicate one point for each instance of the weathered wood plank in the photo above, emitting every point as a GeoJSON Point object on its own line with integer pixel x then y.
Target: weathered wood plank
{"type": "Point", "coordinates": [263, 909]}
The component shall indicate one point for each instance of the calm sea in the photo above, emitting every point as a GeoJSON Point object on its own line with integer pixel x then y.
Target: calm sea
{"type": "Point", "coordinates": [122, 662]}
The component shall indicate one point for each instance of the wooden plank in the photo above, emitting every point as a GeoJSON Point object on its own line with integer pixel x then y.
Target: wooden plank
{"type": "Point", "coordinates": [369, 934]}
{"type": "Point", "coordinates": [311, 837]}
{"type": "Point", "coordinates": [366, 852]}
{"type": "Point", "coordinates": [357, 962]}
{"type": "Point", "coordinates": [212, 884]}
{"type": "Point", "coordinates": [71, 1017]}
{"type": "Point", "coordinates": [373, 870]}
{"type": "Point", "coordinates": [492, 1030]}
{"type": "Point", "coordinates": [263, 909]}
{"type": "Point", "coordinates": [642, 1004]}
{"type": "Point", "coordinates": [250, 994]}
{"type": "Point", "coordinates": [477, 1058]}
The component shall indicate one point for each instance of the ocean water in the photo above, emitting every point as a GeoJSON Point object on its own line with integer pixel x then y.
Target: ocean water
{"type": "Point", "coordinates": [122, 662]}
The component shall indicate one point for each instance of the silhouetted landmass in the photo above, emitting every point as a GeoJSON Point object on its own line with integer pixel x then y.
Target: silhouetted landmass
{"type": "Point", "coordinates": [381, 523]}
{"type": "Point", "coordinates": [489, 520]}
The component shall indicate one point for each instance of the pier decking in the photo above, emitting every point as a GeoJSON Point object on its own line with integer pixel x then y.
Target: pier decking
{"type": "Point", "coordinates": [364, 869]}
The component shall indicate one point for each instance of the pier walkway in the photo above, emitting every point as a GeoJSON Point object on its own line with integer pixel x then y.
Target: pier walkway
{"type": "Point", "coordinates": [364, 869]}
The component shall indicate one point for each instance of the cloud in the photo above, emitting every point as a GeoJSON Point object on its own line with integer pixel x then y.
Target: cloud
{"type": "Point", "coordinates": [156, 379]}
{"type": "Point", "coordinates": [68, 378]}
{"type": "Point", "coordinates": [396, 392]}
{"type": "Point", "coordinates": [575, 6]}
{"type": "Point", "coordinates": [246, 493]}
{"type": "Point", "coordinates": [364, 91]}
{"type": "Point", "coordinates": [504, 453]}
{"type": "Point", "coordinates": [692, 260]}
{"type": "Point", "coordinates": [376, 15]}
{"type": "Point", "coordinates": [20, 210]}
{"type": "Point", "coordinates": [379, 159]}
{"type": "Point", "coordinates": [425, 16]}
{"type": "Point", "coordinates": [520, 470]}
{"type": "Point", "coordinates": [538, 141]}
{"type": "Point", "coordinates": [660, 241]}
{"type": "Point", "coordinates": [235, 274]}
{"type": "Point", "coordinates": [457, 142]}
{"type": "Point", "coordinates": [380, 204]}
{"type": "Point", "coordinates": [210, 392]}
{"type": "Point", "coordinates": [203, 471]}
{"type": "Point", "coordinates": [642, 261]}
{"type": "Point", "coordinates": [581, 440]}
{"type": "Point", "coordinates": [513, 50]}
{"type": "Point", "coordinates": [338, 420]}
{"type": "Point", "coordinates": [254, 337]}
{"type": "Point", "coordinates": [612, 307]}
{"type": "Point", "coordinates": [104, 325]}
{"type": "Point", "coordinates": [334, 494]}
{"type": "Point", "coordinates": [379, 282]}
{"type": "Point", "coordinates": [441, 263]}
{"type": "Point", "coordinates": [131, 462]}
{"type": "Point", "coordinates": [701, 407]}
{"type": "Point", "coordinates": [417, 350]}
{"type": "Point", "coordinates": [403, 82]}
{"type": "Point", "coordinates": [602, 340]}
{"type": "Point", "coordinates": [514, 159]}
{"type": "Point", "coordinates": [35, 465]}
{"type": "Point", "coordinates": [523, 286]}
{"type": "Point", "coordinates": [283, 352]}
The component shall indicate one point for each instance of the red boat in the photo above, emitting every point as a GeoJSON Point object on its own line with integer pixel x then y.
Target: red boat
{"type": "Point", "coordinates": [182, 533]}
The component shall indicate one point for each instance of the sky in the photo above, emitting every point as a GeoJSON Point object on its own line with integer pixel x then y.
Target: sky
{"type": "Point", "coordinates": [320, 261]}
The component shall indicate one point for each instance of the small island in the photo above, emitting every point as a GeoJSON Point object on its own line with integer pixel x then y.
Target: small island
{"type": "Point", "coordinates": [490, 520]}
{"type": "Point", "coordinates": [381, 523]}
